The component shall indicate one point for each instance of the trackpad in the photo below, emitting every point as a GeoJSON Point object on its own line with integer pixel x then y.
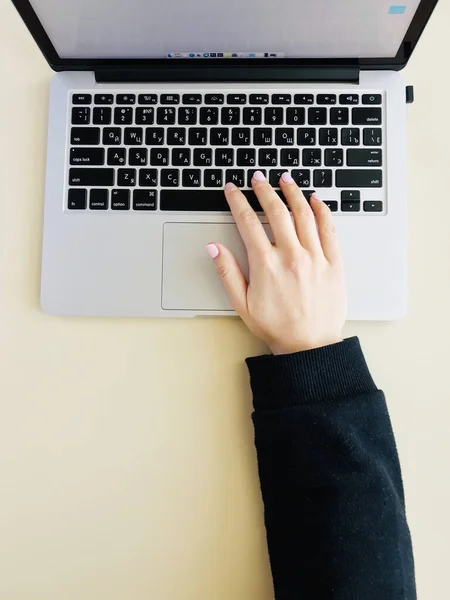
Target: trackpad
{"type": "Point", "coordinates": [190, 279]}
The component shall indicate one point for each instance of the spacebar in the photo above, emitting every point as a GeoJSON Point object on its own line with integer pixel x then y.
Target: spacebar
{"type": "Point", "coordinates": [203, 200]}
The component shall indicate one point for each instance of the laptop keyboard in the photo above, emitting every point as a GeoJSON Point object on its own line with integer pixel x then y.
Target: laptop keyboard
{"type": "Point", "coordinates": [176, 152]}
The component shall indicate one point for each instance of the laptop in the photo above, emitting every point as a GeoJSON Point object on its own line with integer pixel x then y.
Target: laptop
{"type": "Point", "coordinates": [157, 104]}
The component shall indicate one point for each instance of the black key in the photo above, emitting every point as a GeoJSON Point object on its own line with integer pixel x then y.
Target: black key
{"type": "Point", "coordinates": [214, 98]}
{"type": "Point", "coordinates": [120, 200]}
{"type": "Point", "coordinates": [87, 156]}
{"type": "Point", "coordinates": [126, 177]}
{"type": "Point", "coordinates": [241, 136]}
{"type": "Point", "coordinates": [117, 156]}
{"type": "Point", "coordinates": [326, 99]}
{"type": "Point", "coordinates": [224, 157]}
{"type": "Point", "coordinates": [273, 116]}
{"type": "Point", "coordinates": [81, 116]}
{"type": "Point", "coordinates": [187, 115]}
{"type": "Point", "coordinates": [154, 136]}
{"type": "Point", "coordinates": [192, 178]}
{"type": "Point", "coordinates": [138, 157]}
{"type": "Point", "coordinates": [219, 136]}
{"type": "Point", "coordinates": [301, 177]}
{"type": "Point", "coordinates": [198, 136]}
{"type": "Point", "coordinates": [148, 178]}
{"type": "Point", "coordinates": [252, 116]}
{"type": "Point", "coordinates": [373, 206]}
{"type": "Point", "coordinates": [148, 98]}
{"type": "Point", "coordinates": [328, 137]}
{"type": "Point", "coordinates": [246, 157]}
{"type": "Point", "coordinates": [176, 136]}
{"type": "Point", "coordinates": [312, 158]}
{"type": "Point", "coordinates": [262, 136]}
{"type": "Point", "coordinates": [231, 115]}
{"type": "Point", "coordinates": [133, 136]}
{"type": "Point", "coordinates": [203, 200]}
{"type": "Point", "coordinates": [170, 98]}
{"type": "Point", "coordinates": [259, 99]}
{"type": "Point", "coordinates": [81, 99]}
{"type": "Point", "coordinates": [209, 115]}
{"type": "Point", "coordinates": [102, 115]}
{"type": "Point", "coordinates": [236, 176]}
{"type": "Point", "coordinates": [281, 98]}
{"type": "Point", "coordinates": [112, 136]}
{"type": "Point", "coordinates": [304, 99]}
{"type": "Point", "coordinates": [202, 157]}
{"type": "Point", "coordinates": [290, 157]}
{"type": "Point", "coordinates": [213, 178]}
{"type": "Point", "coordinates": [123, 116]}
{"type": "Point", "coordinates": [145, 116]}
{"type": "Point", "coordinates": [192, 98]}
{"type": "Point", "coordinates": [98, 199]}
{"type": "Point", "coordinates": [181, 157]}
{"type": "Point", "coordinates": [126, 99]}
{"type": "Point", "coordinates": [339, 116]}
{"type": "Point", "coordinates": [268, 157]}
{"type": "Point", "coordinates": [371, 99]}
{"type": "Point", "coordinates": [351, 195]}
{"type": "Point", "coordinates": [275, 176]}
{"type": "Point", "coordinates": [250, 174]}
{"type": "Point", "coordinates": [372, 137]}
{"type": "Point", "coordinates": [284, 136]}
{"type": "Point", "coordinates": [317, 116]}
{"type": "Point", "coordinates": [85, 136]}
{"type": "Point", "coordinates": [306, 136]}
{"type": "Point", "coordinates": [165, 116]}
{"type": "Point", "coordinates": [359, 178]}
{"type": "Point", "coordinates": [323, 178]}
{"type": "Point", "coordinates": [159, 156]}
{"type": "Point", "coordinates": [295, 116]}
{"type": "Point", "coordinates": [103, 99]}
{"type": "Point", "coordinates": [145, 199]}
{"type": "Point", "coordinates": [170, 177]}
{"type": "Point", "coordinates": [350, 137]}
{"type": "Point", "coordinates": [350, 206]}
{"type": "Point", "coordinates": [91, 177]}
{"type": "Point", "coordinates": [237, 99]}
{"type": "Point", "coordinates": [364, 158]}
{"type": "Point", "coordinates": [77, 199]}
{"type": "Point", "coordinates": [366, 116]}
{"type": "Point", "coordinates": [334, 157]}
{"type": "Point", "coordinates": [349, 99]}
{"type": "Point", "coordinates": [332, 205]}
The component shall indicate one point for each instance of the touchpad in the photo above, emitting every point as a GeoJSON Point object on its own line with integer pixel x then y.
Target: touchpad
{"type": "Point", "coordinates": [190, 279]}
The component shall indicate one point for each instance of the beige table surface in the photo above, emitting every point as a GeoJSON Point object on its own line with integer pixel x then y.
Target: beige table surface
{"type": "Point", "coordinates": [127, 466]}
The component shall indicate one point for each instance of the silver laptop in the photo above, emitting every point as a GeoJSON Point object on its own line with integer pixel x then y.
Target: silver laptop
{"type": "Point", "coordinates": [157, 104]}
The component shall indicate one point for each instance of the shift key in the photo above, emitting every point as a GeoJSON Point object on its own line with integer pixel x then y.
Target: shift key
{"type": "Point", "coordinates": [359, 178]}
{"type": "Point", "coordinates": [91, 177]}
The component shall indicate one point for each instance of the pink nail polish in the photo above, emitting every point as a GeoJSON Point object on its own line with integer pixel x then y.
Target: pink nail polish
{"type": "Point", "coordinates": [315, 197]}
{"type": "Point", "coordinates": [230, 187]}
{"type": "Point", "coordinates": [258, 176]}
{"type": "Point", "coordinates": [212, 250]}
{"type": "Point", "coordinates": [286, 177]}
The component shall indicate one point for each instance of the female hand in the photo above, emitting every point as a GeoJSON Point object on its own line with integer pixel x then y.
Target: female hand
{"type": "Point", "coordinates": [295, 298]}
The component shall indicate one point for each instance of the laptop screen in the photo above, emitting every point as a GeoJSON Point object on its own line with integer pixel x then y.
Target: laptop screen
{"type": "Point", "coordinates": [193, 29]}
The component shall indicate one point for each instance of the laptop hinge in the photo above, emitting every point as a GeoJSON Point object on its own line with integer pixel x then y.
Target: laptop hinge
{"type": "Point", "coordinates": [204, 74]}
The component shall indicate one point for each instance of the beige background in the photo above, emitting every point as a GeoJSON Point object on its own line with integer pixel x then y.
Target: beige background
{"type": "Point", "coordinates": [127, 467]}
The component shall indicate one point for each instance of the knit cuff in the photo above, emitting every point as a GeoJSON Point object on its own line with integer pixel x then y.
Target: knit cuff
{"type": "Point", "coordinates": [324, 374]}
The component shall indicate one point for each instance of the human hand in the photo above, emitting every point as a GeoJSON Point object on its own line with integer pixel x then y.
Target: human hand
{"type": "Point", "coordinates": [295, 298]}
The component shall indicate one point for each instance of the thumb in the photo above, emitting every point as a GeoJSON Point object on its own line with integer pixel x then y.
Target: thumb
{"type": "Point", "coordinates": [231, 275]}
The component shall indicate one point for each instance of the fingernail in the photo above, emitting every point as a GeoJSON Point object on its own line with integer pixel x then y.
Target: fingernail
{"type": "Point", "coordinates": [315, 197]}
{"type": "Point", "coordinates": [230, 186]}
{"type": "Point", "coordinates": [287, 178]}
{"type": "Point", "coordinates": [258, 176]}
{"type": "Point", "coordinates": [212, 250]}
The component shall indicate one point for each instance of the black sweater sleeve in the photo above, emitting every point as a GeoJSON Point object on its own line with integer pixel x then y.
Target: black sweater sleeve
{"type": "Point", "coordinates": [330, 478]}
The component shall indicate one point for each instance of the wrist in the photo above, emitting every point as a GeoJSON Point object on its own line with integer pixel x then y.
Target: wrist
{"type": "Point", "coordinates": [280, 348]}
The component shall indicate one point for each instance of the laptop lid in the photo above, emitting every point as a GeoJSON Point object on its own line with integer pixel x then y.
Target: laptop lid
{"type": "Point", "coordinates": [175, 34]}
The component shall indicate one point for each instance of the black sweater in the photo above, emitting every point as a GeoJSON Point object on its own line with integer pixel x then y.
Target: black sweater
{"type": "Point", "coordinates": [330, 478]}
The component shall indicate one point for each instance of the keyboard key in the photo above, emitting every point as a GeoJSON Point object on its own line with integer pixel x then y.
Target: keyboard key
{"type": "Point", "coordinates": [349, 99]}
{"type": "Point", "coordinates": [268, 157]}
{"type": "Point", "coordinates": [214, 98]}
{"type": "Point", "coordinates": [120, 200]}
{"type": "Point", "coordinates": [148, 177]}
{"type": "Point", "coordinates": [126, 177]}
{"type": "Point", "coordinates": [250, 174]}
{"type": "Point", "coordinates": [328, 137]}
{"type": "Point", "coordinates": [350, 195]}
{"type": "Point", "coordinates": [359, 178]}
{"type": "Point", "coordinates": [371, 98]}
{"type": "Point", "coordinates": [323, 178]}
{"type": "Point", "coordinates": [85, 136]}
{"type": "Point", "coordinates": [112, 136]}
{"type": "Point", "coordinates": [87, 156]}
{"type": "Point", "coordinates": [154, 136]}
{"type": "Point", "coordinates": [306, 136]}
{"type": "Point", "coordinates": [259, 99]}
{"type": "Point", "coordinates": [123, 116]}
{"type": "Point", "coordinates": [252, 116]}
{"type": "Point", "coordinates": [290, 157]}
{"type": "Point", "coordinates": [332, 205]}
{"type": "Point", "coordinates": [98, 199]}
{"type": "Point", "coordinates": [91, 177]}
{"type": "Point", "coordinates": [145, 199]}
{"type": "Point", "coordinates": [281, 98]}
{"type": "Point", "coordinates": [198, 136]}
{"type": "Point", "coordinates": [181, 157]}
{"type": "Point", "coordinates": [148, 99]}
{"type": "Point", "coordinates": [350, 206]}
{"type": "Point", "coordinates": [176, 136]}
{"type": "Point", "coordinates": [81, 99]}
{"type": "Point", "coordinates": [304, 99]}
{"type": "Point", "coordinates": [295, 116]}
{"type": "Point", "coordinates": [231, 115]}
{"type": "Point", "coordinates": [350, 137]}
{"type": "Point", "coordinates": [284, 136]}
{"type": "Point", "coordinates": [202, 157]}
{"type": "Point", "coordinates": [236, 176]}
{"type": "Point", "coordinates": [334, 158]}
{"type": "Point", "coordinates": [302, 177]}
{"type": "Point", "coordinates": [339, 116]}
{"type": "Point", "coordinates": [273, 116]}
{"type": "Point", "coordinates": [237, 99]}
{"type": "Point", "coordinates": [133, 136]}
{"type": "Point", "coordinates": [126, 99]}
{"type": "Point", "coordinates": [77, 200]}
{"type": "Point", "coordinates": [116, 156]}
{"type": "Point", "coordinates": [192, 98]}
{"type": "Point", "coordinates": [372, 137]}
{"type": "Point", "coordinates": [165, 116]}
{"type": "Point", "coordinates": [275, 176]}
{"type": "Point", "coordinates": [373, 206]}
{"type": "Point", "coordinates": [81, 116]}
{"type": "Point", "coordinates": [187, 115]}
{"type": "Point", "coordinates": [145, 116]}
{"type": "Point", "coordinates": [224, 157]}
{"type": "Point", "coordinates": [262, 136]}
{"type": "Point", "coordinates": [312, 158]}
{"type": "Point", "coordinates": [209, 115]}
{"type": "Point", "coordinates": [138, 157]}
{"type": "Point", "coordinates": [170, 98]}
{"type": "Point", "coordinates": [317, 116]}
{"type": "Point", "coordinates": [246, 157]}
{"type": "Point", "coordinates": [170, 177]}
{"type": "Point", "coordinates": [102, 115]}
{"type": "Point", "coordinates": [192, 178]}
{"type": "Point", "coordinates": [364, 158]}
{"type": "Point", "coordinates": [219, 136]}
{"type": "Point", "coordinates": [326, 99]}
{"type": "Point", "coordinates": [159, 156]}
{"type": "Point", "coordinates": [213, 178]}
{"type": "Point", "coordinates": [366, 116]}
{"type": "Point", "coordinates": [241, 136]}
{"type": "Point", "coordinates": [103, 99]}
